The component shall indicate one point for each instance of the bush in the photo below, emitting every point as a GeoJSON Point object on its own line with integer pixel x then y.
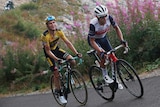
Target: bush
{"type": "Point", "coordinates": [27, 29]}
{"type": "Point", "coordinates": [22, 66]}
{"type": "Point", "coordinates": [32, 32]}
{"type": "Point", "coordinates": [29, 6]}
{"type": "Point", "coordinates": [19, 27]}
{"type": "Point", "coordinates": [140, 26]}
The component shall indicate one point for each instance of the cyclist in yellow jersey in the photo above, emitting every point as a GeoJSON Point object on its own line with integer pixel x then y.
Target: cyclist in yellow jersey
{"type": "Point", "coordinates": [52, 51]}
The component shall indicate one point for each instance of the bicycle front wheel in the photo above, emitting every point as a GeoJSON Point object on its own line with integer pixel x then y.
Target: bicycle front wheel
{"type": "Point", "coordinates": [78, 87]}
{"type": "Point", "coordinates": [102, 88]}
{"type": "Point", "coordinates": [130, 78]}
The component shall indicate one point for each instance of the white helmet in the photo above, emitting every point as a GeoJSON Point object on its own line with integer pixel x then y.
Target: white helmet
{"type": "Point", "coordinates": [100, 11]}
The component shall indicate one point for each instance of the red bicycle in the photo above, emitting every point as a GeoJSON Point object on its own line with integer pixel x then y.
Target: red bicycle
{"type": "Point", "coordinates": [119, 69]}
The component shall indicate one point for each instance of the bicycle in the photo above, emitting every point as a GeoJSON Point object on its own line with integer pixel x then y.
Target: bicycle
{"type": "Point", "coordinates": [120, 70]}
{"type": "Point", "coordinates": [71, 80]}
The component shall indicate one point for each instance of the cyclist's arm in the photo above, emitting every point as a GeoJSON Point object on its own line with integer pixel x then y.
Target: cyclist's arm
{"type": "Point", "coordinates": [67, 42]}
{"type": "Point", "coordinates": [70, 46]}
{"type": "Point", "coordinates": [95, 45]}
{"type": "Point", "coordinates": [116, 27]}
{"type": "Point", "coordinates": [119, 32]}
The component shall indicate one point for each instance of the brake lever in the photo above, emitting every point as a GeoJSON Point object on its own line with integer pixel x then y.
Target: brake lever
{"type": "Point", "coordinates": [126, 49]}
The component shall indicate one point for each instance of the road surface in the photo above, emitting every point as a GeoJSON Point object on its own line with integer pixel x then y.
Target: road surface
{"type": "Point", "coordinates": [122, 98]}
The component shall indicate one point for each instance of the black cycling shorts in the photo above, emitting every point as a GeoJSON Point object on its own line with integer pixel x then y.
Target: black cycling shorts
{"type": "Point", "coordinates": [103, 43]}
{"type": "Point", "coordinates": [58, 52]}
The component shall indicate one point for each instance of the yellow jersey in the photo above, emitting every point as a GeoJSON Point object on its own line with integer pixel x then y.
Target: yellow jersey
{"type": "Point", "coordinates": [52, 41]}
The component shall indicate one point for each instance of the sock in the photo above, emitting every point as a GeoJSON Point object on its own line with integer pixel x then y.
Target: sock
{"type": "Point", "coordinates": [104, 72]}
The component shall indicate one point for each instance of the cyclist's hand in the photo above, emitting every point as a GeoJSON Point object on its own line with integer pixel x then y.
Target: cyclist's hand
{"type": "Point", "coordinates": [124, 43]}
{"type": "Point", "coordinates": [102, 55]}
{"type": "Point", "coordinates": [79, 55]}
{"type": "Point", "coordinates": [125, 46]}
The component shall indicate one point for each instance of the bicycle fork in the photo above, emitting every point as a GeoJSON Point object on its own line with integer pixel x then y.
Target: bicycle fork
{"type": "Point", "coordinates": [114, 85]}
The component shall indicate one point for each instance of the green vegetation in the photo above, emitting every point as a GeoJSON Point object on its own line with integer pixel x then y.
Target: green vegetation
{"type": "Point", "coordinates": [21, 53]}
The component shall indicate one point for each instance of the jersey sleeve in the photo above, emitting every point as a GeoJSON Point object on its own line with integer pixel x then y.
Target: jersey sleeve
{"type": "Point", "coordinates": [62, 35]}
{"type": "Point", "coordinates": [113, 23]}
{"type": "Point", "coordinates": [44, 40]}
{"type": "Point", "coordinates": [91, 30]}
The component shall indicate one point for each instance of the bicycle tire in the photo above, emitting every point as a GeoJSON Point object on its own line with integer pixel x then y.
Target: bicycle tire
{"type": "Point", "coordinates": [55, 94]}
{"type": "Point", "coordinates": [78, 87]}
{"type": "Point", "coordinates": [103, 89]}
{"type": "Point", "coordinates": [129, 78]}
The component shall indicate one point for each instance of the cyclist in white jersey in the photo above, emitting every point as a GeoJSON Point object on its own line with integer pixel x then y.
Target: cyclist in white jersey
{"type": "Point", "coordinates": [97, 36]}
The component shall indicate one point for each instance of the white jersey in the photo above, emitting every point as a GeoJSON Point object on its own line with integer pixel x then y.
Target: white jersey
{"type": "Point", "coordinates": [99, 31]}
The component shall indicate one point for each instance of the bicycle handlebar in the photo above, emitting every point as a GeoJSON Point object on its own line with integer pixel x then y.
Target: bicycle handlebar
{"type": "Point", "coordinates": [116, 48]}
{"type": "Point", "coordinates": [64, 63]}
{"type": "Point", "coordinates": [74, 58]}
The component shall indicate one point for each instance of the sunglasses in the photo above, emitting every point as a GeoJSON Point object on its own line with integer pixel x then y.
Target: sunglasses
{"type": "Point", "coordinates": [103, 16]}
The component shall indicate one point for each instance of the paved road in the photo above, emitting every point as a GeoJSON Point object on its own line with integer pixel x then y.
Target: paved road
{"type": "Point", "coordinates": [151, 98]}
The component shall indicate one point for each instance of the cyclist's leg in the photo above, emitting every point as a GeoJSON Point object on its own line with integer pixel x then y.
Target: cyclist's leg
{"type": "Point", "coordinates": [73, 62]}
{"type": "Point", "coordinates": [64, 55]}
{"type": "Point", "coordinates": [58, 86]}
{"type": "Point", "coordinates": [105, 45]}
{"type": "Point", "coordinates": [55, 73]}
{"type": "Point", "coordinates": [51, 63]}
{"type": "Point", "coordinates": [98, 41]}
{"type": "Point", "coordinates": [60, 53]}
{"type": "Point", "coordinates": [57, 79]}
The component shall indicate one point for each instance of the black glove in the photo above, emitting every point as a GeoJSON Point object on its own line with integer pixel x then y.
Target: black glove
{"type": "Point", "coordinates": [102, 54]}
{"type": "Point", "coordinates": [124, 43]}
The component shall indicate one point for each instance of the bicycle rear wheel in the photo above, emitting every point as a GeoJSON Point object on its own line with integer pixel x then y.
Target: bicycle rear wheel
{"type": "Point", "coordinates": [102, 88]}
{"type": "Point", "coordinates": [54, 92]}
{"type": "Point", "coordinates": [129, 78]}
{"type": "Point", "coordinates": [78, 87]}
